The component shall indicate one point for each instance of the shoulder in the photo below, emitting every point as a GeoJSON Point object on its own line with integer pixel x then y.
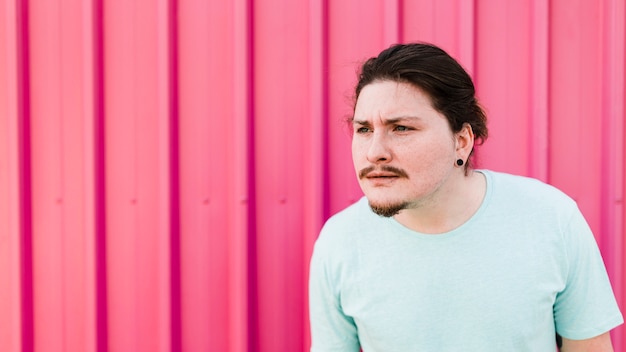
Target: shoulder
{"type": "Point", "coordinates": [346, 231]}
{"type": "Point", "coordinates": [346, 224]}
{"type": "Point", "coordinates": [336, 248]}
{"type": "Point", "coordinates": [524, 190]}
{"type": "Point", "coordinates": [529, 203]}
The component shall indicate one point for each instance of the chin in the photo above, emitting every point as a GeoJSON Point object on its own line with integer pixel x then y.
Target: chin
{"type": "Point", "coordinates": [387, 209]}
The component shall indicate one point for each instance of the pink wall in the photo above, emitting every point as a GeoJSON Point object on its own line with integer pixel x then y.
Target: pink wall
{"type": "Point", "coordinates": [165, 166]}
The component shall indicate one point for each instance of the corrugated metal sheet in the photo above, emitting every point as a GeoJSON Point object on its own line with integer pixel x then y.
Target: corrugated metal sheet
{"type": "Point", "coordinates": [165, 166]}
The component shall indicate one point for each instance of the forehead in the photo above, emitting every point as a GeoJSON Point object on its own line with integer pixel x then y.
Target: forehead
{"type": "Point", "coordinates": [388, 98]}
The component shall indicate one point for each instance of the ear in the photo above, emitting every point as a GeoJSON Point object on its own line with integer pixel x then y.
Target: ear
{"type": "Point", "coordinates": [464, 141]}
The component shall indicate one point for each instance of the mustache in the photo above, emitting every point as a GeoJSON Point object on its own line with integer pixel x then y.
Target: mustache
{"type": "Point", "coordinates": [386, 168]}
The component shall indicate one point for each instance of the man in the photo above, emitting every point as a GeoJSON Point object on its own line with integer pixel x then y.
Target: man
{"type": "Point", "coordinates": [438, 256]}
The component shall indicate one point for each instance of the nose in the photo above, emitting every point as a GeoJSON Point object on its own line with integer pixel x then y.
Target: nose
{"type": "Point", "coordinates": [378, 149]}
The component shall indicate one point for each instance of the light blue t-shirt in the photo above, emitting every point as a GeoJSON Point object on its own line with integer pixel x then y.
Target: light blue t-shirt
{"type": "Point", "coordinates": [525, 266]}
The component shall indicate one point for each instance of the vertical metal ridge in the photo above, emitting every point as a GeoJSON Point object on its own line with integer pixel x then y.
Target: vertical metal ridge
{"type": "Point", "coordinates": [243, 328]}
{"type": "Point", "coordinates": [24, 175]}
{"type": "Point", "coordinates": [174, 178]}
{"type": "Point", "coordinates": [612, 187]}
{"type": "Point", "coordinates": [538, 136]}
{"type": "Point", "coordinates": [252, 259]}
{"type": "Point", "coordinates": [400, 6]}
{"type": "Point", "coordinates": [325, 110]}
{"type": "Point", "coordinates": [316, 175]}
{"type": "Point", "coordinates": [467, 35]}
{"type": "Point", "coordinates": [99, 181]}
{"type": "Point", "coordinates": [391, 22]}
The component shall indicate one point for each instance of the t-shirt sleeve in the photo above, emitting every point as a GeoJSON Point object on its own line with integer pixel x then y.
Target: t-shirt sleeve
{"type": "Point", "coordinates": [586, 307]}
{"type": "Point", "coordinates": [331, 329]}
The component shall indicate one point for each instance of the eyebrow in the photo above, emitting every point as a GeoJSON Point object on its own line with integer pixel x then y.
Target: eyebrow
{"type": "Point", "coordinates": [391, 121]}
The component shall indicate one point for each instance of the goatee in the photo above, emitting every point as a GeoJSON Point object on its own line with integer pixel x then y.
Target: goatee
{"type": "Point", "coordinates": [388, 210]}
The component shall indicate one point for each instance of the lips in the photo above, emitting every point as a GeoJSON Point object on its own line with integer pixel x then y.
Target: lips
{"type": "Point", "coordinates": [377, 179]}
{"type": "Point", "coordinates": [381, 173]}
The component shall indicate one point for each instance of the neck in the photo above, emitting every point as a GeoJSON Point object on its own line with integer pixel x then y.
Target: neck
{"type": "Point", "coordinates": [448, 207]}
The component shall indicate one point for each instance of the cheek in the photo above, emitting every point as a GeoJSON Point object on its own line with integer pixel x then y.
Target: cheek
{"type": "Point", "coordinates": [357, 157]}
{"type": "Point", "coordinates": [424, 155]}
{"type": "Point", "coordinates": [358, 150]}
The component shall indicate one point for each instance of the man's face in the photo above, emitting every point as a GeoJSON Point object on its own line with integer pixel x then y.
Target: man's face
{"type": "Point", "coordinates": [402, 148]}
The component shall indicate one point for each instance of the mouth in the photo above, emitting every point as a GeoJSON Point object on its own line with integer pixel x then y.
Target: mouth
{"type": "Point", "coordinates": [379, 178]}
{"type": "Point", "coordinates": [376, 176]}
{"type": "Point", "coordinates": [385, 173]}
{"type": "Point", "coordinates": [376, 181]}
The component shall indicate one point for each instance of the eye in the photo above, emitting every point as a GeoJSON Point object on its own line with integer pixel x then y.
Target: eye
{"type": "Point", "coordinates": [401, 128]}
{"type": "Point", "coordinates": [362, 130]}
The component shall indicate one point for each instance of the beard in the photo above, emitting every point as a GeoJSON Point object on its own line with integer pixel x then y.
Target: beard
{"type": "Point", "coordinates": [388, 210]}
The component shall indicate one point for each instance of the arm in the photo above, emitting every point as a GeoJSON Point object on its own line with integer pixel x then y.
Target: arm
{"type": "Point", "coordinates": [587, 305]}
{"type": "Point", "coordinates": [331, 329]}
{"type": "Point", "coordinates": [601, 343]}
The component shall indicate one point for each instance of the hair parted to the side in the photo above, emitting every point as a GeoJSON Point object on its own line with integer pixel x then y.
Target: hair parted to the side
{"type": "Point", "coordinates": [431, 69]}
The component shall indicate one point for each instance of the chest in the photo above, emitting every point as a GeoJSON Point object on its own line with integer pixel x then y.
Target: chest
{"type": "Point", "coordinates": [499, 288]}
